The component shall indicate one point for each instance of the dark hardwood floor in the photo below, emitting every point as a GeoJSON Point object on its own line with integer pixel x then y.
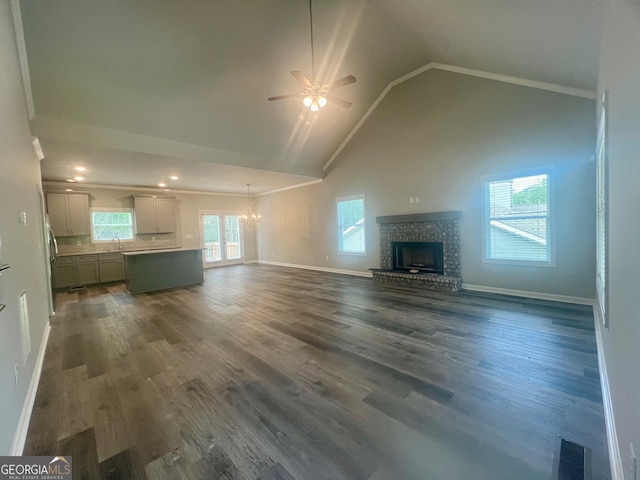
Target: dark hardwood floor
{"type": "Point", "coordinates": [275, 373]}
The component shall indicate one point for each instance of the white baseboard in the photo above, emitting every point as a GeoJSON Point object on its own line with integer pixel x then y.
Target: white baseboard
{"type": "Point", "coordinates": [615, 458]}
{"type": "Point", "coordinates": [319, 269]}
{"type": "Point", "coordinates": [251, 261]}
{"type": "Point", "coordinates": [526, 294]}
{"type": "Point", "coordinates": [20, 437]}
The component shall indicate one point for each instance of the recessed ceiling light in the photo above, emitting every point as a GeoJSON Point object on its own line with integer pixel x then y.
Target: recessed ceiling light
{"type": "Point", "coordinates": [70, 180]}
{"type": "Point", "coordinates": [174, 177]}
{"type": "Point", "coordinates": [162, 184]}
{"type": "Point", "coordinates": [81, 169]}
{"type": "Point", "coordinates": [78, 179]}
{"type": "Point", "coordinates": [167, 190]}
{"type": "Point", "coordinates": [68, 189]}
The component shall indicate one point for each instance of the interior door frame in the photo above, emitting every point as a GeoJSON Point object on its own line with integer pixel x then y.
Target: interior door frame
{"type": "Point", "coordinates": [44, 233]}
{"type": "Point", "coordinates": [223, 239]}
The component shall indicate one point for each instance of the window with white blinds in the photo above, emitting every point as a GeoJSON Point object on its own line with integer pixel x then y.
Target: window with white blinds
{"type": "Point", "coordinates": [351, 226]}
{"type": "Point", "coordinates": [517, 220]}
{"type": "Point", "coordinates": [601, 212]}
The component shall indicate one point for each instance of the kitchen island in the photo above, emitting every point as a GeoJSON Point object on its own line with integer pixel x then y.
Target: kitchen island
{"type": "Point", "coordinates": [151, 270]}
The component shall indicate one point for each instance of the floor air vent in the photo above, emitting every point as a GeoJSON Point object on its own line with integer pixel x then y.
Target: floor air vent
{"type": "Point", "coordinates": [572, 461]}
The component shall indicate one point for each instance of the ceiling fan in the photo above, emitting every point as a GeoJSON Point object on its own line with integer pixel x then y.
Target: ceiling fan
{"type": "Point", "coordinates": [315, 95]}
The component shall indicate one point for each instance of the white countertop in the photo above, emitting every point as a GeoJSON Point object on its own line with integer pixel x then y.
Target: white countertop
{"type": "Point", "coordinates": [133, 250]}
{"type": "Point", "coordinates": [164, 250]}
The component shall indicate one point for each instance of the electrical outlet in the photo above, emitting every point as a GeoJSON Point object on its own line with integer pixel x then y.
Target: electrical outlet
{"type": "Point", "coordinates": [189, 236]}
{"type": "Point", "coordinates": [78, 242]}
{"type": "Point", "coordinates": [417, 199]}
{"type": "Point", "coordinates": [633, 462]}
{"type": "Point", "coordinates": [273, 254]}
{"type": "Point", "coordinates": [16, 375]}
{"type": "Point", "coordinates": [326, 258]}
{"type": "Point", "coordinates": [411, 200]}
{"type": "Point", "coordinates": [153, 239]}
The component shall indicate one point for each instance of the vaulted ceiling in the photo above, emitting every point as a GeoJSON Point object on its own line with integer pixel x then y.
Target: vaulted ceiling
{"type": "Point", "coordinates": [137, 90]}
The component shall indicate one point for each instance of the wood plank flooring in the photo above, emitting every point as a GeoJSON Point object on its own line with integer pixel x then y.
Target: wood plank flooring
{"type": "Point", "coordinates": [275, 373]}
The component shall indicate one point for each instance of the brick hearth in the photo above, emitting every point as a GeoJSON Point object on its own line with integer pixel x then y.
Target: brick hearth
{"type": "Point", "coordinates": [423, 227]}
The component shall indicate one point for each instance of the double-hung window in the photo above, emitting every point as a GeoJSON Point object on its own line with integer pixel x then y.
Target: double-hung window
{"type": "Point", "coordinates": [517, 219]}
{"type": "Point", "coordinates": [351, 225]}
{"type": "Point", "coordinates": [109, 223]}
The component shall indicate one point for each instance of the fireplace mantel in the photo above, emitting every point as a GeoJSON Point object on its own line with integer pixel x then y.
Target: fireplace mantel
{"type": "Point", "coordinates": [421, 227]}
{"type": "Point", "coordinates": [419, 217]}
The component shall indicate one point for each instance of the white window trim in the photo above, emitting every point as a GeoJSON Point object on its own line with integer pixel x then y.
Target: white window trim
{"type": "Point", "coordinates": [364, 209]}
{"type": "Point", "coordinates": [112, 209]}
{"type": "Point", "coordinates": [222, 214]}
{"type": "Point", "coordinates": [546, 170]}
{"type": "Point", "coordinates": [602, 213]}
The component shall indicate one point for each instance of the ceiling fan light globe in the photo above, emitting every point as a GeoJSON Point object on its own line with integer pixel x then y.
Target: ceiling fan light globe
{"type": "Point", "coordinates": [308, 100]}
{"type": "Point", "coordinates": [322, 101]}
{"type": "Point", "coordinates": [314, 106]}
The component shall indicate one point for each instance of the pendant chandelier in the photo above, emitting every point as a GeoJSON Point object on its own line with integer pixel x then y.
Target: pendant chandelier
{"type": "Point", "coordinates": [249, 218]}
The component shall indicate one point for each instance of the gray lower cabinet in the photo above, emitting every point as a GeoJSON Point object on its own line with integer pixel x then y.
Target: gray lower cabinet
{"type": "Point", "coordinates": [111, 267]}
{"type": "Point", "coordinates": [76, 271]}
{"type": "Point", "coordinates": [87, 269]}
{"type": "Point", "coordinates": [64, 273]}
{"type": "Point", "coordinates": [80, 270]}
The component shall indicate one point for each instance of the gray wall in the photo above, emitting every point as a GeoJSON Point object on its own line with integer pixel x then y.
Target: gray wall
{"type": "Point", "coordinates": [21, 246]}
{"type": "Point", "coordinates": [620, 75]}
{"type": "Point", "coordinates": [187, 217]}
{"type": "Point", "coordinates": [434, 136]}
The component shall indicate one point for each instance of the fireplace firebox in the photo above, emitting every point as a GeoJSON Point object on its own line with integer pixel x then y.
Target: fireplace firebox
{"type": "Point", "coordinates": [400, 264]}
{"type": "Point", "coordinates": [422, 256]}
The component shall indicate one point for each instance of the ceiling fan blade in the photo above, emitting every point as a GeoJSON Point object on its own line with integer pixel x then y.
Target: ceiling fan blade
{"type": "Point", "coordinates": [302, 78]}
{"type": "Point", "coordinates": [338, 101]}
{"type": "Point", "coordinates": [342, 82]}
{"type": "Point", "coordinates": [282, 97]}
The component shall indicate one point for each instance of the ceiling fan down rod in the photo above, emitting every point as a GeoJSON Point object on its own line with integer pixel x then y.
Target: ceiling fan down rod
{"type": "Point", "coordinates": [313, 61]}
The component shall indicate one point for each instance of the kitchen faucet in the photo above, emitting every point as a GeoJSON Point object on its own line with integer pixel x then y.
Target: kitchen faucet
{"type": "Point", "coordinates": [119, 244]}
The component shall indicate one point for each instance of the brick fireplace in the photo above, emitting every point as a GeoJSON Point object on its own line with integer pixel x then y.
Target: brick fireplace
{"type": "Point", "coordinates": [423, 228]}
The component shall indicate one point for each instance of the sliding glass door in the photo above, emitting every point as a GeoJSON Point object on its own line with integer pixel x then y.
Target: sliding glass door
{"type": "Point", "coordinates": [221, 239]}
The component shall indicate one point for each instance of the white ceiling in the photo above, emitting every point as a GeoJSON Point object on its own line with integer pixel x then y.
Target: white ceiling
{"type": "Point", "coordinates": [137, 90]}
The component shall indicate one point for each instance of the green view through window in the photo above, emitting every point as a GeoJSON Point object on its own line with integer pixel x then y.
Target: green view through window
{"type": "Point", "coordinates": [106, 225]}
{"type": "Point", "coordinates": [351, 227]}
{"type": "Point", "coordinates": [517, 219]}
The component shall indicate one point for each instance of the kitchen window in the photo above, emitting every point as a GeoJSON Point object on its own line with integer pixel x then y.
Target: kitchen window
{"type": "Point", "coordinates": [109, 223]}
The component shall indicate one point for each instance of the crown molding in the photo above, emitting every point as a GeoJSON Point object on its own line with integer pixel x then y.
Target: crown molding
{"type": "Point", "coordinates": [18, 30]}
{"type": "Point", "coordinates": [157, 191]}
{"type": "Point", "coordinates": [162, 191]}
{"type": "Point", "coordinates": [290, 187]}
